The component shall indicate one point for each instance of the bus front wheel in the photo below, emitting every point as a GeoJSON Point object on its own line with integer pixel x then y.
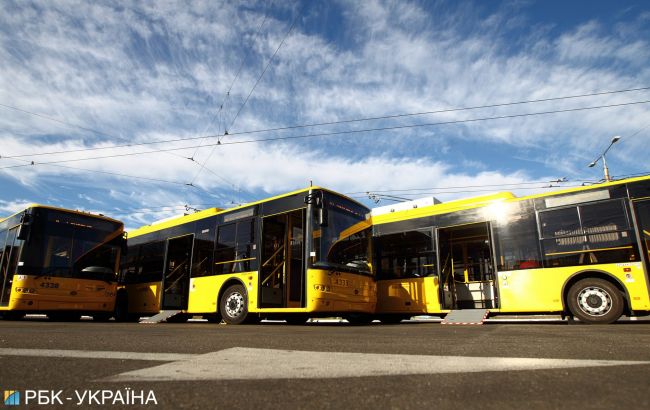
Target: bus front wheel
{"type": "Point", "coordinates": [64, 316]}
{"type": "Point", "coordinates": [359, 319]}
{"type": "Point", "coordinates": [595, 301]}
{"type": "Point", "coordinates": [234, 305]}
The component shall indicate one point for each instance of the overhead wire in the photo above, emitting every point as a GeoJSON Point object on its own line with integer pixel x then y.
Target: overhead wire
{"type": "Point", "coordinates": [69, 124]}
{"type": "Point", "coordinates": [109, 173]}
{"type": "Point", "coordinates": [232, 123]}
{"type": "Point", "coordinates": [231, 134]}
{"type": "Point", "coordinates": [232, 83]}
{"type": "Point", "coordinates": [559, 180]}
{"type": "Point", "coordinates": [478, 190]}
{"type": "Point", "coordinates": [346, 132]}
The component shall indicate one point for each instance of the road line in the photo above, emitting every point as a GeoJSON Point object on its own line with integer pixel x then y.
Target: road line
{"type": "Point", "coordinates": [248, 364]}
{"type": "Point", "coordinates": [85, 354]}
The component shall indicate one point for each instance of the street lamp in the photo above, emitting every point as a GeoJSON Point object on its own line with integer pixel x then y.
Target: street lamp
{"type": "Point", "coordinates": [602, 156]}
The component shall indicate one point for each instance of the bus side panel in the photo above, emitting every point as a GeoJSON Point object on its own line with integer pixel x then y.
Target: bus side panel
{"type": "Point", "coordinates": [635, 283]}
{"type": "Point", "coordinates": [540, 290]}
{"type": "Point", "coordinates": [144, 297]}
{"type": "Point", "coordinates": [329, 291]}
{"type": "Point", "coordinates": [44, 293]}
{"type": "Point", "coordinates": [535, 290]}
{"type": "Point", "coordinates": [413, 295]}
{"type": "Point", "coordinates": [326, 292]}
{"type": "Point", "coordinates": [204, 291]}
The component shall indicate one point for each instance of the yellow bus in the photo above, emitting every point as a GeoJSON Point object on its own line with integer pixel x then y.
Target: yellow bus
{"type": "Point", "coordinates": [295, 256]}
{"type": "Point", "coordinates": [581, 252]}
{"type": "Point", "coordinates": [59, 262]}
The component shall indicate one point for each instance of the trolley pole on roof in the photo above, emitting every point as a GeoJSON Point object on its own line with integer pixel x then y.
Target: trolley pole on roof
{"type": "Point", "coordinates": [602, 157]}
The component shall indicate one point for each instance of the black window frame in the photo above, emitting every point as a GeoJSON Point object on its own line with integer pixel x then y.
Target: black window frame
{"type": "Point", "coordinates": [431, 253]}
{"type": "Point", "coordinates": [585, 239]}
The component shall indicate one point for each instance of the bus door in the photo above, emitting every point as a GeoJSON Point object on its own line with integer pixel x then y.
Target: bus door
{"type": "Point", "coordinates": [466, 267]}
{"type": "Point", "coordinates": [176, 280]}
{"type": "Point", "coordinates": [283, 267]}
{"type": "Point", "coordinates": [8, 263]}
{"type": "Point", "coordinates": [642, 213]}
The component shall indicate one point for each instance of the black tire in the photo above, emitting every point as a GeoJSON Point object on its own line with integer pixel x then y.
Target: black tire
{"type": "Point", "coordinates": [102, 317]}
{"type": "Point", "coordinates": [10, 315]}
{"type": "Point", "coordinates": [595, 301]}
{"type": "Point", "coordinates": [64, 316]}
{"type": "Point", "coordinates": [233, 305]}
{"type": "Point", "coordinates": [359, 319]}
{"type": "Point", "coordinates": [391, 319]}
{"type": "Point", "coordinates": [121, 312]}
{"type": "Point", "coordinates": [296, 320]}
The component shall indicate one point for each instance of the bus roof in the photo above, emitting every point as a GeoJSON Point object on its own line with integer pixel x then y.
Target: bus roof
{"type": "Point", "coordinates": [56, 208]}
{"type": "Point", "coordinates": [483, 200]}
{"type": "Point", "coordinates": [216, 211]}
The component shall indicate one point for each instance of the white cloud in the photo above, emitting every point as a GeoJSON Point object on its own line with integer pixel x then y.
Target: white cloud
{"type": "Point", "coordinates": [143, 72]}
{"type": "Point", "coordinates": [8, 208]}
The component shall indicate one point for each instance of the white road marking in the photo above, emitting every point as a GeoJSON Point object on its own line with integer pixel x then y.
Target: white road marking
{"type": "Point", "coordinates": [84, 354]}
{"type": "Point", "coordinates": [247, 364]}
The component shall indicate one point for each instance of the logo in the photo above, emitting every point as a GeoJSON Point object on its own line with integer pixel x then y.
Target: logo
{"type": "Point", "coordinates": [12, 398]}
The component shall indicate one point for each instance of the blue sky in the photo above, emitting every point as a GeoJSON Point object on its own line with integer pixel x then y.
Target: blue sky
{"type": "Point", "coordinates": [99, 74]}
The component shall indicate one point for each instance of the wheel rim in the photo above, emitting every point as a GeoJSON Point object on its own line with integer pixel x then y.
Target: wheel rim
{"type": "Point", "coordinates": [234, 304]}
{"type": "Point", "coordinates": [595, 301]}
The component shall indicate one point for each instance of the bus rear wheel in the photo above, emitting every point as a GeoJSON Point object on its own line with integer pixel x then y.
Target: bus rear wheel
{"type": "Point", "coordinates": [595, 301]}
{"type": "Point", "coordinates": [11, 315]}
{"type": "Point", "coordinates": [234, 305]}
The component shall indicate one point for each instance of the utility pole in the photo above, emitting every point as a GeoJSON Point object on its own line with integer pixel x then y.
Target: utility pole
{"type": "Point", "coordinates": [602, 156]}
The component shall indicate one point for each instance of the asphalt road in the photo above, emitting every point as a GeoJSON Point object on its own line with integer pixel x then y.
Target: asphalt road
{"type": "Point", "coordinates": [273, 365]}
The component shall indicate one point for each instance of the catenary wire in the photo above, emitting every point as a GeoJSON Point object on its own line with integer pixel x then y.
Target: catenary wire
{"type": "Point", "coordinates": [463, 186]}
{"type": "Point", "coordinates": [232, 123]}
{"type": "Point", "coordinates": [325, 134]}
{"type": "Point", "coordinates": [232, 83]}
{"type": "Point", "coordinates": [285, 128]}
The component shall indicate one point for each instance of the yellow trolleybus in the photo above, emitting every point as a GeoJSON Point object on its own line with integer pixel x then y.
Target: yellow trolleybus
{"type": "Point", "coordinates": [581, 252]}
{"type": "Point", "coordinates": [60, 262]}
{"type": "Point", "coordinates": [299, 255]}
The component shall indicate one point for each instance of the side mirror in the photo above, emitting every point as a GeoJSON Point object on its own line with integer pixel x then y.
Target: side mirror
{"type": "Point", "coordinates": [322, 216]}
{"type": "Point", "coordinates": [318, 200]}
{"type": "Point", "coordinates": [314, 199]}
{"type": "Point", "coordinates": [25, 227]}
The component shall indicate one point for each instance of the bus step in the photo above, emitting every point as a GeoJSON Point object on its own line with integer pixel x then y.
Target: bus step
{"type": "Point", "coordinates": [466, 317]}
{"type": "Point", "coordinates": [161, 317]}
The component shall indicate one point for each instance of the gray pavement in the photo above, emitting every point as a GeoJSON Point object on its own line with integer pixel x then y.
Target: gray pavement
{"type": "Point", "coordinates": [335, 365]}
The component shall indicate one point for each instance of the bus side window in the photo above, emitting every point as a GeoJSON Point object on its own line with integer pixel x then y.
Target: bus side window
{"type": "Point", "coordinates": [151, 262]}
{"type": "Point", "coordinates": [129, 265]}
{"type": "Point", "coordinates": [518, 242]}
{"type": "Point", "coordinates": [406, 255]}
{"type": "Point", "coordinates": [587, 234]}
{"type": "Point", "coordinates": [202, 263]}
{"type": "Point", "coordinates": [224, 253]}
{"type": "Point", "coordinates": [246, 249]}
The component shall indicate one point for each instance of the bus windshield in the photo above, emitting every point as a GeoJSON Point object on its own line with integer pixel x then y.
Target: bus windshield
{"type": "Point", "coordinates": [343, 242]}
{"type": "Point", "coordinates": [71, 245]}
